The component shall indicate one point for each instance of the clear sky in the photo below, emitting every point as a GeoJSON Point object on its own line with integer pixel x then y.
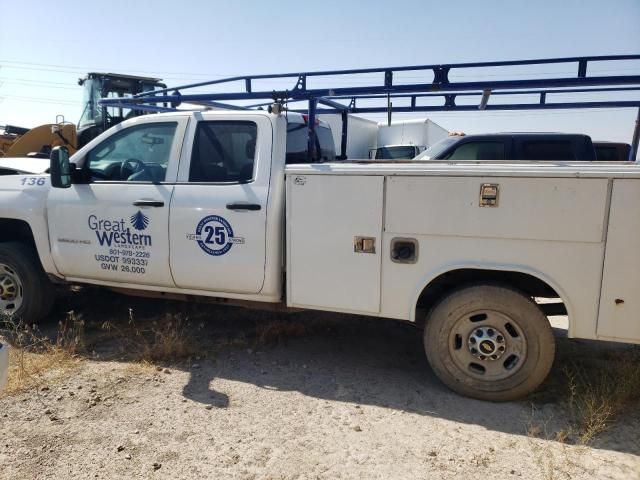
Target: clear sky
{"type": "Point", "coordinates": [45, 46]}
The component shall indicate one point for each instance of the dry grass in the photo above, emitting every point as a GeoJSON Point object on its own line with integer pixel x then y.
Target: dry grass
{"type": "Point", "coordinates": [36, 359]}
{"type": "Point", "coordinates": [168, 339]}
{"type": "Point", "coordinates": [279, 331]}
{"type": "Point", "coordinates": [595, 391]}
{"type": "Point", "coordinates": [598, 394]}
{"type": "Point", "coordinates": [552, 462]}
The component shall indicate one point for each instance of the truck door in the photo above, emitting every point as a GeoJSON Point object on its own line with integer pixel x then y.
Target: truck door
{"type": "Point", "coordinates": [114, 227]}
{"type": "Point", "coordinates": [217, 223]}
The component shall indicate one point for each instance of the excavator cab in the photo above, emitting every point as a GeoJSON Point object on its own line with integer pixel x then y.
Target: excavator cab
{"type": "Point", "coordinates": [95, 118]}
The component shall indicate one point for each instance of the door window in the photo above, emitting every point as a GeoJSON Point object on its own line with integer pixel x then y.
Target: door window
{"type": "Point", "coordinates": [136, 154]}
{"type": "Point", "coordinates": [223, 152]}
{"type": "Point", "coordinates": [478, 151]}
{"type": "Point", "coordinates": [396, 152]}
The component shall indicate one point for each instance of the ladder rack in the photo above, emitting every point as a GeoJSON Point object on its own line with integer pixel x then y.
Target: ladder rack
{"type": "Point", "coordinates": [440, 82]}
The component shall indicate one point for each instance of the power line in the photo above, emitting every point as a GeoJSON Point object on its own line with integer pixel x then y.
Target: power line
{"type": "Point", "coordinates": [30, 80]}
{"type": "Point", "coordinates": [40, 99]}
{"type": "Point", "coordinates": [35, 85]}
{"type": "Point", "coordinates": [76, 69]}
{"type": "Point", "coordinates": [85, 69]}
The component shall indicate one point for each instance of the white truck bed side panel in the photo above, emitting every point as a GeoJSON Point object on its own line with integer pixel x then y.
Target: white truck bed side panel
{"type": "Point", "coordinates": [551, 229]}
{"type": "Point", "coordinates": [324, 214]}
{"type": "Point", "coordinates": [572, 269]}
{"type": "Point", "coordinates": [620, 303]}
{"type": "Point", "coordinates": [561, 209]}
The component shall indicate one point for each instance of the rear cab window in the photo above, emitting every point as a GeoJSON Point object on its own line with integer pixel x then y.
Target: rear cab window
{"type": "Point", "coordinates": [612, 152]}
{"type": "Point", "coordinates": [297, 135]}
{"type": "Point", "coordinates": [607, 154]}
{"type": "Point", "coordinates": [223, 152]}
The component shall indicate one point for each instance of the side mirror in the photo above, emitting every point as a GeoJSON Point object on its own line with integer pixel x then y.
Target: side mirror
{"type": "Point", "coordinates": [59, 168]}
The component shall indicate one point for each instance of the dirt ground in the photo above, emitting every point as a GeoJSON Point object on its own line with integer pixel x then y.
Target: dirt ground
{"type": "Point", "coordinates": [336, 397]}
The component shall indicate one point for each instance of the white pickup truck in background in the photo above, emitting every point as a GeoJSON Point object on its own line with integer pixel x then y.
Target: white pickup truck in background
{"type": "Point", "coordinates": [202, 204]}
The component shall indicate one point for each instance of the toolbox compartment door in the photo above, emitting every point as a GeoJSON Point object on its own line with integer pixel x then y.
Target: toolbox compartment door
{"type": "Point", "coordinates": [327, 215]}
{"type": "Point", "coordinates": [619, 316]}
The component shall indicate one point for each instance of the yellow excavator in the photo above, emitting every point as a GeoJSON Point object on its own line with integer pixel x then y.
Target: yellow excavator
{"type": "Point", "coordinates": [95, 119]}
{"type": "Point", "coordinates": [22, 142]}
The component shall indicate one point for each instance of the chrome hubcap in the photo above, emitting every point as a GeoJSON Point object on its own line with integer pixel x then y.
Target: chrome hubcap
{"type": "Point", "coordinates": [488, 345]}
{"type": "Point", "coordinates": [10, 290]}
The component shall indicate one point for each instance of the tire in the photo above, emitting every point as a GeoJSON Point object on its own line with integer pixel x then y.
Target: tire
{"type": "Point", "coordinates": [489, 342]}
{"type": "Point", "coordinates": [25, 291]}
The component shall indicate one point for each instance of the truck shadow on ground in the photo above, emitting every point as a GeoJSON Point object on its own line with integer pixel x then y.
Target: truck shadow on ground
{"type": "Point", "coordinates": [343, 358]}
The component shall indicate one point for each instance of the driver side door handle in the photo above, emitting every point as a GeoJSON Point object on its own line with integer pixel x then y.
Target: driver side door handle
{"type": "Point", "coordinates": [244, 206]}
{"type": "Point", "coordinates": [148, 203]}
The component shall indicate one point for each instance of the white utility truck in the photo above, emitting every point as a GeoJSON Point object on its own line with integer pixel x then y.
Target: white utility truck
{"type": "Point", "coordinates": [201, 204]}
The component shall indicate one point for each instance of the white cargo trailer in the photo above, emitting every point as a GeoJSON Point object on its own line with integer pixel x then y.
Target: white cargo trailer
{"type": "Point", "coordinates": [406, 139]}
{"type": "Point", "coordinates": [366, 137]}
{"type": "Point", "coordinates": [424, 132]}
{"type": "Point", "coordinates": [362, 134]}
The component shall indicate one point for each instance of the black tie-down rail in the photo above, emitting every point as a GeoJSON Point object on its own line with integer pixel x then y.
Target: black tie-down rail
{"type": "Point", "coordinates": [458, 87]}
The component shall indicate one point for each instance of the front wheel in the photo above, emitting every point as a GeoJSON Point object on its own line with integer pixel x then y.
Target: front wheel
{"type": "Point", "coordinates": [489, 342]}
{"type": "Point", "coordinates": [25, 291]}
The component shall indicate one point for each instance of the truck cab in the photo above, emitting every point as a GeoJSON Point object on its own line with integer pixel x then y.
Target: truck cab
{"type": "Point", "coordinates": [162, 196]}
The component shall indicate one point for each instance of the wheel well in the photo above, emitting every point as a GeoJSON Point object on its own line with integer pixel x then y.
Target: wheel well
{"type": "Point", "coordinates": [527, 284]}
{"type": "Point", "coordinates": [13, 230]}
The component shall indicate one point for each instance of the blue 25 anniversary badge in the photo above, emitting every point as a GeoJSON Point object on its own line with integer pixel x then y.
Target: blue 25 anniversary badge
{"type": "Point", "coordinates": [215, 235]}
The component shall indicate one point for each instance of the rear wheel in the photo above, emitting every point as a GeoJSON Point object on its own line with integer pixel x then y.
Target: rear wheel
{"type": "Point", "coordinates": [25, 291]}
{"type": "Point", "coordinates": [489, 342]}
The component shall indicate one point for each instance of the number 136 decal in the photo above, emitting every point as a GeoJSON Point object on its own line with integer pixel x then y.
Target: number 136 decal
{"type": "Point", "coordinates": [33, 181]}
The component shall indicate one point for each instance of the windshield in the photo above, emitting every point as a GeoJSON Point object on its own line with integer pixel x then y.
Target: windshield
{"type": "Point", "coordinates": [94, 89]}
{"type": "Point", "coordinates": [398, 152]}
{"type": "Point", "coordinates": [434, 151]}
{"type": "Point", "coordinates": [91, 113]}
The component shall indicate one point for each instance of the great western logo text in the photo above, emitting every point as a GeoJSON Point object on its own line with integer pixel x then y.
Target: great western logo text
{"type": "Point", "coordinates": [118, 231]}
{"type": "Point", "coordinates": [126, 247]}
